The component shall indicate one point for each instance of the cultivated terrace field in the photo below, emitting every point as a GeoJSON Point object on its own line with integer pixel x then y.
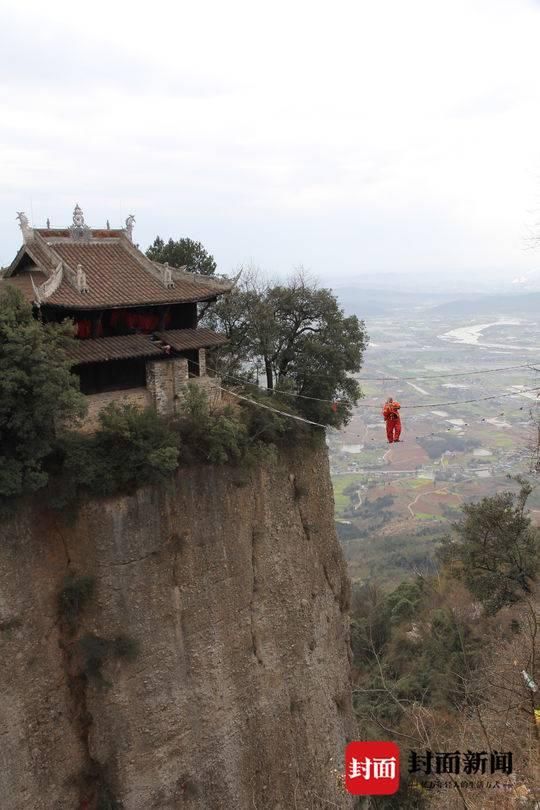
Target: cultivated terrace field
{"type": "Point", "coordinates": [394, 502]}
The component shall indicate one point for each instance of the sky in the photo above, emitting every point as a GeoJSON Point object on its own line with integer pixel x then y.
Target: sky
{"type": "Point", "coordinates": [367, 141]}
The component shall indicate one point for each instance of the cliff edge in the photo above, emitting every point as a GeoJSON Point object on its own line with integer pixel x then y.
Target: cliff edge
{"type": "Point", "coordinates": [229, 592]}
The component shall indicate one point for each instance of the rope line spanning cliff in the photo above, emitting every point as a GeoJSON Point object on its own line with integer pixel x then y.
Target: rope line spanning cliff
{"type": "Point", "coordinates": [468, 401]}
{"type": "Point", "coordinates": [529, 365]}
{"type": "Point", "coordinates": [275, 410]}
{"type": "Point", "coordinates": [409, 407]}
{"type": "Point", "coordinates": [371, 407]}
{"type": "Point", "coordinates": [245, 381]}
{"type": "Point", "coordinates": [444, 376]}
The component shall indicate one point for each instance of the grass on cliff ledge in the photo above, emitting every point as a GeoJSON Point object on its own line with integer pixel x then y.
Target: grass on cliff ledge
{"type": "Point", "coordinates": [134, 448]}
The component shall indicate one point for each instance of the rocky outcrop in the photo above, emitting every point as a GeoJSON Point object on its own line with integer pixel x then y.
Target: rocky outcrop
{"type": "Point", "coordinates": [207, 666]}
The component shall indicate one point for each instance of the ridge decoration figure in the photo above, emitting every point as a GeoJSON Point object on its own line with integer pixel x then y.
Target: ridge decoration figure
{"type": "Point", "coordinates": [393, 422]}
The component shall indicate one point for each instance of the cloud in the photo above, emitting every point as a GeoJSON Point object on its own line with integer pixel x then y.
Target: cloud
{"type": "Point", "coordinates": [362, 136]}
{"type": "Point", "coordinates": [50, 56]}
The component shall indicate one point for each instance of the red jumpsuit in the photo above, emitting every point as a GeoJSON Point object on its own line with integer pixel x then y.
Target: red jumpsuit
{"type": "Point", "coordinates": [393, 422]}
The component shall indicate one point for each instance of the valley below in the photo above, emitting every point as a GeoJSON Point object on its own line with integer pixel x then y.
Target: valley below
{"type": "Point", "coordinates": [469, 414]}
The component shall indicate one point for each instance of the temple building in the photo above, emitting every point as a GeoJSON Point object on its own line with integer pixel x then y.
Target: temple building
{"type": "Point", "coordinates": [136, 321]}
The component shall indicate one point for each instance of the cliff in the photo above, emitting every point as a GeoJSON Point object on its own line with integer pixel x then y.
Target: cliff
{"type": "Point", "coordinates": [229, 591]}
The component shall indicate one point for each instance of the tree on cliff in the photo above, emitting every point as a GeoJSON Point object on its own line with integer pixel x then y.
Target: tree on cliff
{"type": "Point", "coordinates": [37, 390]}
{"type": "Point", "coordinates": [300, 338]}
{"type": "Point", "coordinates": [496, 550]}
{"type": "Point", "coordinates": [182, 252]}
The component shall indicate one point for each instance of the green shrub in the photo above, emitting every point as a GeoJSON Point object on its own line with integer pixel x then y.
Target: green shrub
{"type": "Point", "coordinates": [94, 651]}
{"type": "Point", "coordinates": [215, 436]}
{"type": "Point", "coordinates": [73, 597]}
{"type": "Point", "coordinates": [125, 647]}
{"type": "Point", "coordinates": [132, 448]}
{"type": "Point", "coordinates": [495, 550]}
{"type": "Point", "coordinates": [268, 426]}
{"type": "Point", "coordinates": [404, 600]}
{"type": "Point", "coordinates": [37, 390]}
{"type": "Point", "coordinates": [139, 446]}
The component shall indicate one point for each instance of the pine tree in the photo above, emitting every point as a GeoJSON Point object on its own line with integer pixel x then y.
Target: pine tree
{"type": "Point", "coordinates": [37, 393]}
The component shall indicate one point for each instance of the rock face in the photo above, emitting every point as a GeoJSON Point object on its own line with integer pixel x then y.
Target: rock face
{"type": "Point", "coordinates": [230, 592]}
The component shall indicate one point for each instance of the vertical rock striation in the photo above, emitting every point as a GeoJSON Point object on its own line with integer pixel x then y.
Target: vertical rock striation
{"type": "Point", "coordinates": [235, 592]}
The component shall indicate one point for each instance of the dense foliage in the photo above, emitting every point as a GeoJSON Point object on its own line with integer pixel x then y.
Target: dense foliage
{"type": "Point", "coordinates": [269, 419]}
{"type": "Point", "coordinates": [306, 343]}
{"type": "Point", "coordinates": [437, 659]}
{"type": "Point", "coordinates": [134, 448]}
{"type": "Point", "coordinates": [496, 549]}
{"type": "Point", "coordinates": [131, 448]}
{"type": "Point", "coordinates": [37, 393]}
{"type": "Point", "coordinates": [410, 642]}
{"type": "Point", "coordinates": [182, 252]}
{"type": "Point", "coordinates": [215, 436]}
{"type": "Point", "coordinates": [301, 340]}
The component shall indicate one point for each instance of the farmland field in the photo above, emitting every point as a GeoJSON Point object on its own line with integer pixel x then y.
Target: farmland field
{"type": "Point", "coordinates": [453, 450]}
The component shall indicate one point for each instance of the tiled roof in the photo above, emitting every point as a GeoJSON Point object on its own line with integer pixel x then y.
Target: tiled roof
{"type": "Point", "coordinates": [100, 350]}
{"type": "Point", "coordinates": [183, 339]}
{"type": "Point", "coordinates": [112, 348]}
{"type": "Point", "coordinates": [116, 278]}
{"type": "Point", "coordinates": [23, 282]}
{"type": "Point", "coordinates": [41, 255]}
{"type": "Point", "coordinates": [117, 273]}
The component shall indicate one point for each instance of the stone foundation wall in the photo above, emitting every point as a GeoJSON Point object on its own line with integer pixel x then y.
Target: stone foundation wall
{"type": "Point", "coordinates": [96, 402]}
{"type": "Point", "coordinates": [164, 381]}
{"type": "Point", "coordinates": [202, 362]}
{"type": "Point", "coordinates": [211, 386]}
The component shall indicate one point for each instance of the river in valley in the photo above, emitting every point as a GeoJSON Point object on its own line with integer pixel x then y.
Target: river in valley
{"type": "Point", "coordinates": [471, 336]}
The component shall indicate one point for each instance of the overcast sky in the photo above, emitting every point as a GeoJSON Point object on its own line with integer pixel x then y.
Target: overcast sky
{"type": "Point", "coordinates": [355, 138]}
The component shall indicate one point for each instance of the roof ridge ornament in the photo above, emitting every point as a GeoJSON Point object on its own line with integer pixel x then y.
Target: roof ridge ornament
{"type": "Point", "coordinates": [130, 222]}
{"type": "Point", "coordinates": [80, 279]}
{"type": "Point", "coordinates": [166, 276]}
{"type": "Point", "coordinates": [24, 225]}
{"type": "Point", "coordinates": [76, 278]}
{"type": "Point", "coordinates": [49, 286]}
{"type": "Point", "coordinates": [79, 229]}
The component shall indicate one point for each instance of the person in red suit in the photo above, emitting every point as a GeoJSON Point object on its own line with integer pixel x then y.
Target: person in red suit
{"type": "Point", "coordinates": [393, 422]}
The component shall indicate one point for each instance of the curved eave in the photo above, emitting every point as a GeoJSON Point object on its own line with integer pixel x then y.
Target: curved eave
{"type": "Point", "coordinates": [76, 307]}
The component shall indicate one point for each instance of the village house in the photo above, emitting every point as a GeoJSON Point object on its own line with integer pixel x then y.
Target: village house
{"type": "Point", "coordinates": [136, 321]}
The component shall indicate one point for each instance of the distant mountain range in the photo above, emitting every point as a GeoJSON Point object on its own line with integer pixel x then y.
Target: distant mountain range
{"type": "Point", "coordinates": [373, 303]}
{"type": "Point", "coordinates": [518, 304]}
